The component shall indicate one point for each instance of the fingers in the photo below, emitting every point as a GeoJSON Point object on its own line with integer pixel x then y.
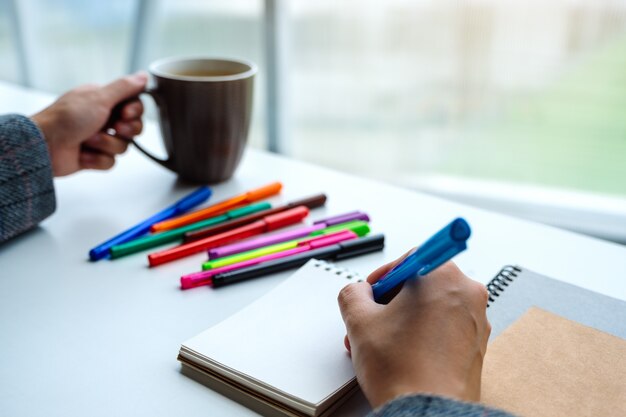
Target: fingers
{"type": "Point", "coordinates": [479, 294]}
{"type": "Point", "coordinates": [356, 301]}
{"type": "Point", "coordinates": [132, 110]}
{"type": "Point", "coordinates": [381, 271]}
{"type": "Point", "coordinates": [479, 297]}
{"type": "Point", "coordinates": [124, 88]}
{"type": "Point", "coordinates": [346, 343]}
{"type": "Point", "coordinates": [107, 144]}
{"type": "Point", "coordinates": [99, 151]}
{"type": "Point", "coordinates": [95, 160]}
{"type": "Point", "coordinates": [128, 129]}
{"type": "Point", "coordinates": [129, 123]}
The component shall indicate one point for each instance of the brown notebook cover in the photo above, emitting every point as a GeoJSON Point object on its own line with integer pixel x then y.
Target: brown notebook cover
{"type": "Point", "coordinates": [556, 349]}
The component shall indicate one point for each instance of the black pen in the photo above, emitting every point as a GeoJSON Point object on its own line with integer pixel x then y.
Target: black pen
{"type": "Point", "coordinates": [343, 250]}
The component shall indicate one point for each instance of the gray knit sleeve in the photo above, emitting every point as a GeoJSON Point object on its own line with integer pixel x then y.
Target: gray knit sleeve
{"type": "Point", "coordinates": [432, 406]}
{"type": "Point", "coordinates": [26, 188]}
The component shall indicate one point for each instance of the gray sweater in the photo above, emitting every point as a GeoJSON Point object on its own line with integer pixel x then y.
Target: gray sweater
{"type": "Point", "coordinates": [26, 188]}
{"type": "Point", "coordinates": [422, 405]}
{"type": "Point", "coordinates": [27, 197]}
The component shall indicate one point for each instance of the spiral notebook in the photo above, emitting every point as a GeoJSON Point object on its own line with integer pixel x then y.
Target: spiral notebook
{"type": "Point", "coordinates": [284, 351]}
{"type": "Point", "coordinates": [284, 355]}
{"type": "Point", "coordinates": [555, 348]}
{"type": "Point", "coordinates": [515, 289]}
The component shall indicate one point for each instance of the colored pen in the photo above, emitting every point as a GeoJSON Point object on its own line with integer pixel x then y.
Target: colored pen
{"type": "Point", "coordinates": [204, 278]}
{"type": "Point", "coordinates": [284, 236]}
{"type": "Point", "coordinates": [181, 206]}
{"type": "Point", "coordinates": [360, 228]}
{"type": "Point", "coordinates": [157, 239]}
{"type": "Point", "coordinates": [339, 251]}
{"type": "Point", "coordinates": [219, 208]}
{"type": "Point", "coordinates": [312, 202]}
{"type": "Point", "coordinates": [440, 248]}
{"type": "Point", "coordinates": [266, 224]}
{"type": "Point", "coordinates": [342, 218]}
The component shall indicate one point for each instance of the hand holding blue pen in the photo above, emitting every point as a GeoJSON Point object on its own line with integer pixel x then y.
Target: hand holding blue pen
{"type": "Point", "coordinates": [181, 206]}
{"type": "Point", "coordinates": [431, 338]}
{"type": "Point", "coordinates": [440, 248]}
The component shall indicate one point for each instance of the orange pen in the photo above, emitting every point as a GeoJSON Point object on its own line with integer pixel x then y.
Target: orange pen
{"type": "Point", "coordinates": [219, 208]}
{"type": "Point", "coordinates": [266, 224]}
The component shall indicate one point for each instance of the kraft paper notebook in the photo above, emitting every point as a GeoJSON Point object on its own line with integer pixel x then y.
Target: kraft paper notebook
{"type": "Point", "coordinates": [555, 350]}
{"type": "Point", "coordinates": [285, 355]}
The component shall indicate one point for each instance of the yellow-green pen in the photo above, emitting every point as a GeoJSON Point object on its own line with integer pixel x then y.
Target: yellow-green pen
{"type": "Point", "coordinates": [359, 227]}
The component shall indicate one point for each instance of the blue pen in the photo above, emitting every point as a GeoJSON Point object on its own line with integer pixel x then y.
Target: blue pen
{"type": "Point", "coordinates": [184, 204]}
{"type": "Point", "coordinates": [440, 248]}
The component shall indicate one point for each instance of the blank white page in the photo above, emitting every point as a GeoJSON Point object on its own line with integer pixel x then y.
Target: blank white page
{"type": "Point", "coordinates": [290, 340]}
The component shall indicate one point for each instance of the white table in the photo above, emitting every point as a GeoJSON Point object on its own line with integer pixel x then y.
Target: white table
{"type": "Point", "coordinates": [101, 339]}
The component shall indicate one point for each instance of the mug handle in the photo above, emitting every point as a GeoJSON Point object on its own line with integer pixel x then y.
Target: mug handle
{"type": "Point", "coordinates": [169, 162]}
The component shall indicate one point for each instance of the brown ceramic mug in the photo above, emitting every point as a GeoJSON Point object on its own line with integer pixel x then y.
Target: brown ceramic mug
{"type": "Point", "coordinates": [204, 114]}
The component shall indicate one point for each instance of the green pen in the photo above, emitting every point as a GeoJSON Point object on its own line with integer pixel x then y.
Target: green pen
{"type": "Point", "coordinates": [361, 228]}
{"type": "Point", "coordinates": [157, 239]}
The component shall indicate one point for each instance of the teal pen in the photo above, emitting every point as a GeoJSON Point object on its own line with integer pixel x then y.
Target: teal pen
{"type": "Point", "coordinates": [157, 239]}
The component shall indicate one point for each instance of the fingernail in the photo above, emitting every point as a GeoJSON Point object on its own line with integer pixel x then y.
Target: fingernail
{"type": "Point", "coordinates": [88, 158]}
{"type": "Point", "coordinates": [140, 76]}
{"type": "Point", "coordinates": [131, 112]}
{"type": "Point", "coordinates": [124, 130]}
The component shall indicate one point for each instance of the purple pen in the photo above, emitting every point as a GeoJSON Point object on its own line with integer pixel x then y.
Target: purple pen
{"type": "Point", "coordinates": [259, 242]}
{"type": "Point", "coordinates": [342, 218]}
{"type": "Point", "coordinates": [262, 241]}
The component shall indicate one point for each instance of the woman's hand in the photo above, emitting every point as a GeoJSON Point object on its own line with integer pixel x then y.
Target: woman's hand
{"type": "Point", "coordinates": [431, 338]}
{"type": "Point", "coordinates": [73, 126]}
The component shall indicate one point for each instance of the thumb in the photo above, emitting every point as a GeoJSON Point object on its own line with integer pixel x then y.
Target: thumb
{"type": "Point", "coordinates": [124, 88]}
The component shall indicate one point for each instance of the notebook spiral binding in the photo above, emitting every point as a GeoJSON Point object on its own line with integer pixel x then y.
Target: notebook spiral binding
{"type": "Point", "coordinates": [340, 272]}
{"type": "Point", "coordinates": [498, 284]}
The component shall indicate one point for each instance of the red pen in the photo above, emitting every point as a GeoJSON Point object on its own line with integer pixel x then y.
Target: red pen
{"type": "Point", "coordinates": [206, 277]}
{"type": "Point", "coordinates": [310, 202]}
{"type": "Point", "coordinates": [266, 224]}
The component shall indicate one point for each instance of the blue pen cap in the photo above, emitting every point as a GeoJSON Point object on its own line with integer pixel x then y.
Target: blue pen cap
{"type": "Point", "coordinates": [437, 250]}
{"type": "Point", "coordinates": [440, 248]}
{"type": "Point", "coordinates": [193, 199]}
{"type": "Point", "coordinates": [98, 253]}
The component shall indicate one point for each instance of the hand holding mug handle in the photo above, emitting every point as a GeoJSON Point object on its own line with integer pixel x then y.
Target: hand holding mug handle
{"type": "Point", "coordinates": [167, 163]}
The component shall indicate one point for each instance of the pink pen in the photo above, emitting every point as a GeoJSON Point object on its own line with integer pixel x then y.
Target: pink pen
{"type": "Point", "coordinates": [262, 241]}
{"type": "Point", "coordinates": [197, 279]}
